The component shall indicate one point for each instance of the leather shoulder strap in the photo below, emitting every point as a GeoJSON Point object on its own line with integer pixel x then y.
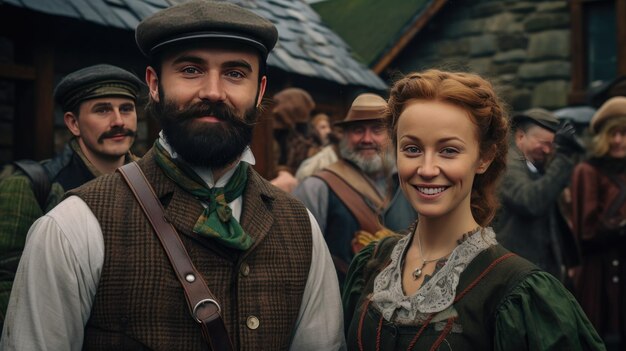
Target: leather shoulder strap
{"type": "Point", "coordinates": [358, 181]}
{"type": "Point", "coordinates": [202, 304]}
{"type": "Point", "coordinates": [368, 220]}
{"type": "Point", "coordinates": [39, 180]}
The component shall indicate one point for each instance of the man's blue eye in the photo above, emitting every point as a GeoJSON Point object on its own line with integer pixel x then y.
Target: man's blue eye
{"type": "Point", "coordinates": [190, 70]}
{"type": "Point", "coordinates": [235, 74]}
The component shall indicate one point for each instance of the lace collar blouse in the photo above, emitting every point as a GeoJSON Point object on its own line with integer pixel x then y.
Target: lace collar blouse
{"type": "Point", "coordinates": [437, 293]}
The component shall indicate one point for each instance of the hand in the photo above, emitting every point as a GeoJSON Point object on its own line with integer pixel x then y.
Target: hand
{"type": "Point", "coordinates": [566, 141]}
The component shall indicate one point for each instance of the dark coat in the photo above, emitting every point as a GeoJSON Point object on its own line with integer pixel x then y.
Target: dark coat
{"type": "Point", "coordinates": [529, 222]}
{"type": "Point", "coordinates": [598, 216]}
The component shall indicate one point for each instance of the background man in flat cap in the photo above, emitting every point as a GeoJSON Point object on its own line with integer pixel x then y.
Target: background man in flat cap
{"type": "Point", "coordinates": [99, 110]}
{"type": "Point", "coordinates": [530, 222]}
{"type": "Point", "coordinates": [108, 284]}
{"type": "Point", "coordinates": [366, 168]}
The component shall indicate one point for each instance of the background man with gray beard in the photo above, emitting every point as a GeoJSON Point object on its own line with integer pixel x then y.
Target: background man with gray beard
{"type": "Point", "coordinates": [364, 174]}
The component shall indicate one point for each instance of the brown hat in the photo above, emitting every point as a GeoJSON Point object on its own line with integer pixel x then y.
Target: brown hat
{"type": "Point", "coordinates": [613, 107]}
{"type": "Point", "coordinates": [293, 105]}
{"type": "Point", "coordinates": [205, 20]}
{"type": "Point", "coordinates": [366, 107]}
{"type": "Point", "coordinates": [538, 116]}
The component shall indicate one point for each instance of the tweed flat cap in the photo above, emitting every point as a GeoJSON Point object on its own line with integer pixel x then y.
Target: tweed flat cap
{"type": "Point", "coordinates": [366, 107]}
{"type": "Point", "coordinates": [538, 116]}
{"type": "Point", "coordinates": [94, 82]}
{"type": "Point", "coordinates": [205, 20]}
{"type": "Point", "coordinates": [613, 107]}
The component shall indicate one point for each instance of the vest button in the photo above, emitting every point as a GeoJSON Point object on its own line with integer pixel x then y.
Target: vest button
{"type": "Point", "coordinates": [615, 263]}
{"type": "Point", "coordinates": [244, 269]}
{"type": "Point", "coordinates": [252, 322]}
{"type": "Point", "coordinates": [615, 279]}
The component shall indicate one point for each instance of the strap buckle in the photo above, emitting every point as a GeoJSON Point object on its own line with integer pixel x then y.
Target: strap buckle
{"type": "Point", "coordinates": [202, 302]}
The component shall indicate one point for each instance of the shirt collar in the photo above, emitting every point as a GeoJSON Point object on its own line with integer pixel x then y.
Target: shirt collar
{"type": "Point", "coordinates": [205, 172]}
{"type": "Point", "coordinates": [531, 167]}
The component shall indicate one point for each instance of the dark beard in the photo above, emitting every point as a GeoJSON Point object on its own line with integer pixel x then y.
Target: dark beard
{"type": "Point", "coordinates": [201, 144]}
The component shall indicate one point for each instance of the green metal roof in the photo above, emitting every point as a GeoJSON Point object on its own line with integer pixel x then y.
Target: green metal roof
{"type": "Point", "coordinates": [370, 27]}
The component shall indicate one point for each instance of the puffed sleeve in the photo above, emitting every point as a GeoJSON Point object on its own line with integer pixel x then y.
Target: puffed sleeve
{"type": "Point", "coordinates": [540, 314]}
{"type": "Point", "coordinates": [355, 282]}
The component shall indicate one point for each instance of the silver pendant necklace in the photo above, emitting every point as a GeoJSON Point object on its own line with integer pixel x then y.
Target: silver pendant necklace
{"type": "Point", "coordinates": [418, 271]}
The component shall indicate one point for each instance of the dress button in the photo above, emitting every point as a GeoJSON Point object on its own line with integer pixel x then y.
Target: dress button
{"type": "Point", "coordinates": [244, 269]}
{"type": "Point", "coordinates": [252, 322]}
{"type": "Point", "coordinates": [615, 279]}
{"type": "Point", "coordinates": [615, 263]}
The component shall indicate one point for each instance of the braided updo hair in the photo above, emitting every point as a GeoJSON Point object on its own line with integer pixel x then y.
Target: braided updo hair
{"type": "Point", "coordinates": [475, 95]}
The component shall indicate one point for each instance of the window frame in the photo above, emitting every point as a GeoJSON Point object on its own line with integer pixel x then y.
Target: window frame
{"type": "Point", "coordinates": [578, 37]}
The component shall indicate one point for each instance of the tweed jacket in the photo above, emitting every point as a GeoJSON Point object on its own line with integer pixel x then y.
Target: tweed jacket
{"type": "Point", "coordinates": [18, 204]}
{"type": "Point", "coordinates": [140, 303]}
{"type": "Point", "coordinates": [529, 222]}
{"type": "Point", "coordinates": [19, 207]}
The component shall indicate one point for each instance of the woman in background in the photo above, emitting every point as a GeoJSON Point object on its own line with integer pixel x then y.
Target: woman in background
{"type": "Point", "coordinates": [599, 222]}
{"type": "Point", "coordinates": [319, 133]}
{"type": "Point", "coordinates": [448, 284]}
{"type": "Point", "coordinates": [323, 151]}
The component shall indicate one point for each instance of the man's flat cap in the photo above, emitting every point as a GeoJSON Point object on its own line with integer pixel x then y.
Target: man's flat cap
{"type": "Point", "coordinates": [205, 20]}
{"type": "Point", "coordinates": [538, 116]}
{"type": "Point", "coordinates": [612, 108]}
{"type": "Point", "coordinates": [366, 107]}
{"type": "Point", "coordinates": [95, 82]}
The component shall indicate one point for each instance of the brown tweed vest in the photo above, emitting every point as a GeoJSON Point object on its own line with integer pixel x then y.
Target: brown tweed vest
{"type": "Point", "coordinates": [139, 303]}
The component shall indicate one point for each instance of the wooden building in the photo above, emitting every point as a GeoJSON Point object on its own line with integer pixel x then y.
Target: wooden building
{"type": "Point", "coordinates": [43, 40]}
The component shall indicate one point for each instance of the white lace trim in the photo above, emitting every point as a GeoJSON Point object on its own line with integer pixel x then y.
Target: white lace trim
{"type": "Point", "coordinates": [436, 294]}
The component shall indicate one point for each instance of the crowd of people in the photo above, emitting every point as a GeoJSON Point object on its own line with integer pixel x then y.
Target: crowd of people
{"type": "Point", "coordinates": [431, 220]}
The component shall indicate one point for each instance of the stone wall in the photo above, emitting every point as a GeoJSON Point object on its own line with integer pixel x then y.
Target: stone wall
{"type": "Point", "coordinates": [523, 47]}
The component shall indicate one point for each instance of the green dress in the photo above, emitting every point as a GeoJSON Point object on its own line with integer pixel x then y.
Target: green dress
{"type": "Point", "coordinates": [500, 301]}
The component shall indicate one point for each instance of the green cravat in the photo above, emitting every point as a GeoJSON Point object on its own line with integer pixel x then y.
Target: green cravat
{"type": "Point", "coordinates": [216, 221]}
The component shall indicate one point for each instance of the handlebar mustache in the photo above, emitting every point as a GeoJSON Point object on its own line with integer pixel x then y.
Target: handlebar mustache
{"type": "Point", "coordinates": [117, 132]}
